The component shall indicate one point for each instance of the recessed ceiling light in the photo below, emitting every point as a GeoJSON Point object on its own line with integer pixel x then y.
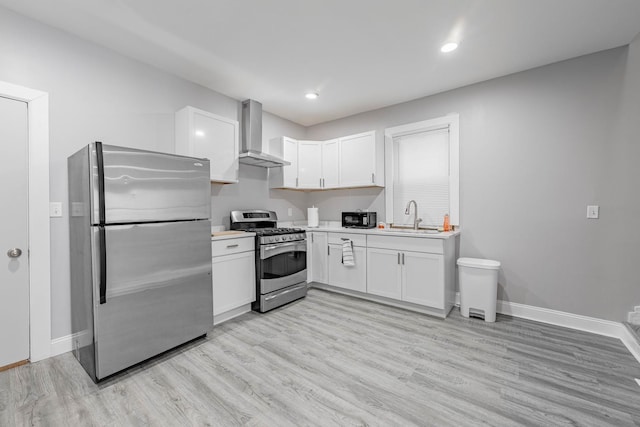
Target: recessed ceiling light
{"type": "Point", "coordinates": [311, 95]}
{"type": "Point", "coordinates": [199, 133]}
{"type": "Point", "coordinates": [449, 47]}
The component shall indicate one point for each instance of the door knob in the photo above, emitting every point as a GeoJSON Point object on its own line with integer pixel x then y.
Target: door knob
{"type": "Point", "coordinates": [14, 253]}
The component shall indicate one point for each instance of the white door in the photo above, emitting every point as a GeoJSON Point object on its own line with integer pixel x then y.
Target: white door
{"type": "Point", "coordinates": [309, 164]}
{"type": "Point", "coordinates": [348, 277]}
{"type": "Point", "coordinates": [358, 160]}
{"type": "Point", "coordinates": [319, 266]}
{"type": "Point", "coordinates": [234, 281]}
{"type": "Point", "coordinates": [330, 163]}
{"type": "Point", "coordinates": [422, 279]}
{"type": "Point", "coordinates": [14, 273]}
{"type": "Point", "coordinates": [384, 272]}
{"type": "Point", "coordinates": [290, 154]}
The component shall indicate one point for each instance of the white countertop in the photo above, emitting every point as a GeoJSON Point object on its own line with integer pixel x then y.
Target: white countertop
{"type": "Point", "coordinates": [385, 232]}
{"type": "Point", "coordinates": [230, 234]}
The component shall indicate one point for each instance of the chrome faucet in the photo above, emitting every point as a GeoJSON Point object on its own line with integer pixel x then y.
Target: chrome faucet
{"type": "Point", "coordinates": [407, 211]}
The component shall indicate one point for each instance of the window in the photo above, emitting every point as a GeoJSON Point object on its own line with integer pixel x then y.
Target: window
{"type": "Point", "coordinates": [421, 164]}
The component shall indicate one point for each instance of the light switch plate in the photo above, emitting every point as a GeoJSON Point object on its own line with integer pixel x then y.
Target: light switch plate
{"type": "Point", "coordinates": [290, 211]}
{"type": "Point", "coordinates": [593, 211]}
{"type": "Point", "coordinates": [55, 209]}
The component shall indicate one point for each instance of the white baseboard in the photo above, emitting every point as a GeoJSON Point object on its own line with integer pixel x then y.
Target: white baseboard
{"type": "Point", "coordinates": [228, 315]}
{"type": "Point", "coordinates": [630, 342]}
{"type": "Point", "coordinates": [65, 344]}
{"type": "Point", "coordinates": [578, 322]}
{"type": "Point", "coordinates": [62, 345]}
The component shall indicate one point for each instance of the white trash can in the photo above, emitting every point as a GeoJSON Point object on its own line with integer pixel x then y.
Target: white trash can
{"type": "Point", "coordinates": [478, 280]}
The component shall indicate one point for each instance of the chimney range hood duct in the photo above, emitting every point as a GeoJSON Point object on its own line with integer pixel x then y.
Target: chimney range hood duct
{"type": "Point", "coordinates": [251, 152]}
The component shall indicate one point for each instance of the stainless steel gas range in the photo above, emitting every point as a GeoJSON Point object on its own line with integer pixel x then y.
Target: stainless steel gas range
{"type": "Point", "coordinates": [281, 258]}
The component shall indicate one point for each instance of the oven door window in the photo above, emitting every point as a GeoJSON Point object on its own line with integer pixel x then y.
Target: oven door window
{"type": "Point", "coordinates": [284, 264]}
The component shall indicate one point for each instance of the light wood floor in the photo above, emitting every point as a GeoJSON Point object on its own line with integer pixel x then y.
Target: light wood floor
{"type": "Point", "coordinates": [335, 360]}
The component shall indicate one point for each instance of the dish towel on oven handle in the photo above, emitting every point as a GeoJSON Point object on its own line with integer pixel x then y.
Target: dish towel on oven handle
{"type": "Point", "coordinates": [347, 253]}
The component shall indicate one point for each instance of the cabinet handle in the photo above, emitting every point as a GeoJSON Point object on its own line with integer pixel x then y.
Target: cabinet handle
{"type": "Point", "coordinates": [320, 179]}
{"type": "Point", "coordinates": [232, 246]}
{"type": "Point", "coordinates": [296, 182]}
{"type": "Point", "coordinates": [328, 250]}
{"type": "Point", "coordinates": [311, 237]}
{"type": "Point", "coordinates": [373, 178]}
{"type": "Point", "coordinates": [398, 258]}
{"type": "Point", "coordinates": [322, 182]}
{"type": "Point", "coordinates": [403, 258]}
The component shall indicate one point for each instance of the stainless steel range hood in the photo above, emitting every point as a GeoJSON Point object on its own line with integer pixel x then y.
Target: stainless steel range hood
{"type": "Point", "coordinates": [251, 151]}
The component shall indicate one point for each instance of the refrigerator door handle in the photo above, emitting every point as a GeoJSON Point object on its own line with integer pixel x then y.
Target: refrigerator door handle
{"type": "Point", "coordinates": [100, 165]}
{"type": "Point", "coordinates": [103, 264]}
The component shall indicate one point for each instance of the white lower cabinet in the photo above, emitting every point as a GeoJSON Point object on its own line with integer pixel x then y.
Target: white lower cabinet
{"type": "Point", "coordinates": [407, 269]}
{"type": "Point", "coordinates": [408, 276]}
{"type": "Point", "coordinates": [419, 271]}
{"type": "Point", "coordinates": [233, 275]}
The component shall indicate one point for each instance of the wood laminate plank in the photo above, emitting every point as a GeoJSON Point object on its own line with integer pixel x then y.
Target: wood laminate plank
{"type": "Point", "coordinates": [330, 359]}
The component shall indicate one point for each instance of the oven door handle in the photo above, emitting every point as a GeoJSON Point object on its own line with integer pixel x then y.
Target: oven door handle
{"type": "Point", "coordinates": [279, 248]}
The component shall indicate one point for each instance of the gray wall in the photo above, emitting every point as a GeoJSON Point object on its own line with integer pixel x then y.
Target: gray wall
{"type": "Point", "coordinates": [96, 94]}
{"type": "Point", "coordinates": [535, 149]}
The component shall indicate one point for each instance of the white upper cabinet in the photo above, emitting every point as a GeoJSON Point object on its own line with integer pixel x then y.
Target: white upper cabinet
{"type": "Point", "coordinates": [331, 163]}
{"type": "Point", "coordinates": [309, 164]}
{"type": "Point", "coordinates": [285, 176]}
{"type": "Point", "coordinates": [203, 134]}
{"type": "Point", "coordinates": [358, 160]}
{"type": "Point", "coordinates": [351, 161]}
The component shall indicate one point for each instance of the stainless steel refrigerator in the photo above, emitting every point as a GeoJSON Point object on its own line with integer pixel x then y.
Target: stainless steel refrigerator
{"type": "Point", "coordinates": [140, 240]}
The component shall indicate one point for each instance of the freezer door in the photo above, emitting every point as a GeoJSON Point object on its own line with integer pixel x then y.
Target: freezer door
{"type": "Point", "coordinates": [130, 185]}
{"type": "Point", "coordinates": [158, 291]}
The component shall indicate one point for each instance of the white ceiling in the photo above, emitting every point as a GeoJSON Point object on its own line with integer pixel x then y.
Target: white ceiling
{"type": "Point", "coordinates": [358, 54]}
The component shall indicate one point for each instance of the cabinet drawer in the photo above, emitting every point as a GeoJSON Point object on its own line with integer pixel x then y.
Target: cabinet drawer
{"type": "Point", "coordinates": [232, 246]}
{"type": "Point", "coordinates": [417, 244]}
{"type": "Point", "coordinates": [357, 239]}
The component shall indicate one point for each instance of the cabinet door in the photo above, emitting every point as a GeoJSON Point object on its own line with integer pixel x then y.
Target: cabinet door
{"type": "Point", "coordinates": [423, 279]}
{"type": "Point", "coordinates": [348, 277]}
{"type": "Point", "coordinates": [234, 281]}
{"type": "Point", "coordinates": [309, 164]}
{"type": "Point", "coordinates": [384, 273]}
{"type": "Point", "coordinates": [290, 154]}
{"type": "Point", "coordinates": [203, 134]}
{"type": "Point", "coordinates": [357, 160]}
{"type": "Point", "coordinates": [331, 163]}
{"type": "Point", "coordinates": [216, 138]}
{"type": "Point", "coordinates": [318, 257]}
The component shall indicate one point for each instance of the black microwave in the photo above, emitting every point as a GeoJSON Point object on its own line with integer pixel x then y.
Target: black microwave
{"type": "Point", "coordinates": [359, 219]}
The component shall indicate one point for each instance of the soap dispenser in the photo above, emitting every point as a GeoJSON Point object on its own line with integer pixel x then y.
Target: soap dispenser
{"type": "Point", "coordinates": [446, 226]}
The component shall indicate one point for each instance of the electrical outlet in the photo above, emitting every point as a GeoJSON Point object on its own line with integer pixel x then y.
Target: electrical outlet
{"type": "Point", "coordinates": [593, 211]}
{"type": "Point", "coordinates": [55, 209]}
{"type": "Point", "coordinates": [290, 211]}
